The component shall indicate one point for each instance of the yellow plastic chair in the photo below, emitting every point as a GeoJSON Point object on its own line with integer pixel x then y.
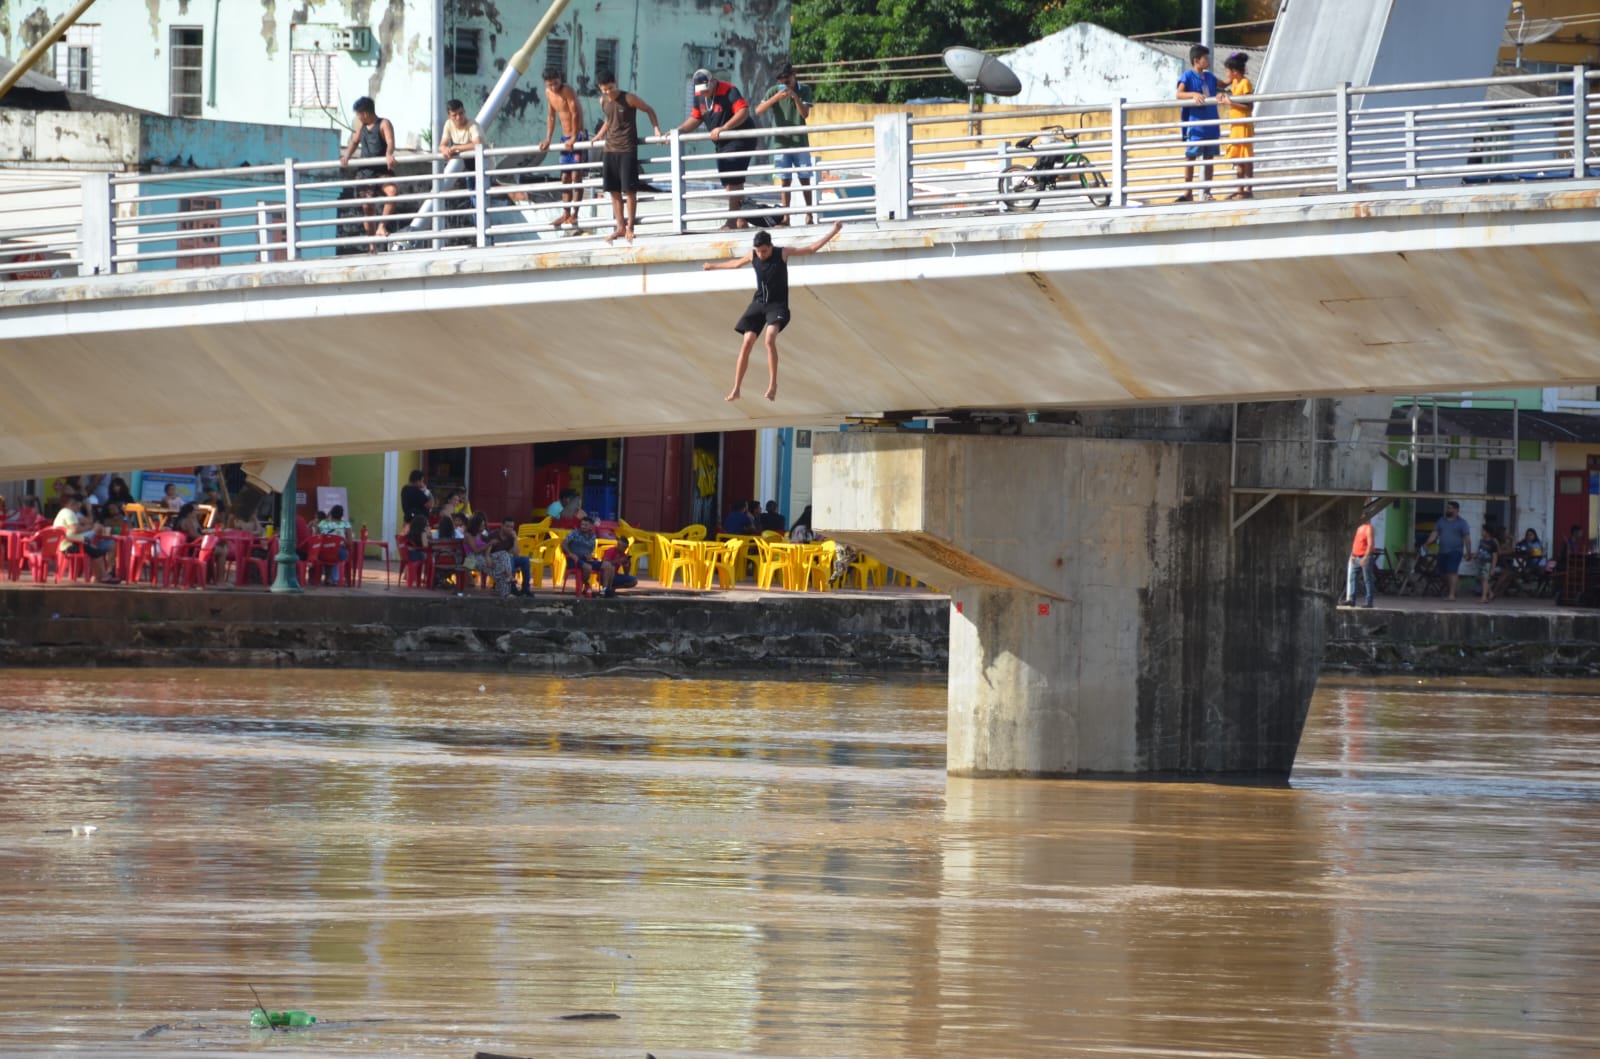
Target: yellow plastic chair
{"type": "Point", "coordinates": [681, 557]}
{"type": "Point", "coordinates": [725, 562]}
{"type": "Point", "coordinates": [866, 572]}
{"type": "Point", "coordinates": [817, 566]}
{"type": "Point", "coordinates": [692, 532]}
{"type": "Point", "coordinates": [779, 559]}
{"type": "Point", "coordinates": [747, 543]}
{"type": "Point", "coordinates": [641, 545]}
{"type": "Point", "coordinates": [548, 557]}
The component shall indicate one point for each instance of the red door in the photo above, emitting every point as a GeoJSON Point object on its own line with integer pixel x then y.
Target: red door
{"type": "Point", "coordinates": [738, 469]}
{"type": "Point", "coordinates": [1572, 505]}
{"type": "Point", "coordinates": [502, 481]}
{"type": "Point", "coordinates": [652, 482]}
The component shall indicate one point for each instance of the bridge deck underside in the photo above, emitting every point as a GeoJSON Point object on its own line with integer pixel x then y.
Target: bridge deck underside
{"type": "Point", "coordinates": [1443, 292]}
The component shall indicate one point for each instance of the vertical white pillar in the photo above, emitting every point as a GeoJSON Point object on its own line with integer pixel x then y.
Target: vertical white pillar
{"type": "Point", "coordinates": [892, 165]}
{"type": "Point", "coordinates": [766, 464]}
{"type": "Point", "coordinates": [390, 523]}
{"type": "Point", "coordinates": [96, 236]}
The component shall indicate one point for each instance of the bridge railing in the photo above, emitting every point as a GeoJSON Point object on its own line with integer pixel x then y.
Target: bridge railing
{"type": "Point", "coordinates": [899, 166]}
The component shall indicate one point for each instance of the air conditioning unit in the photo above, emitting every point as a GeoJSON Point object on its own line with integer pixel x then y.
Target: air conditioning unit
{"type": "Point", "coordinates": [352, 38]}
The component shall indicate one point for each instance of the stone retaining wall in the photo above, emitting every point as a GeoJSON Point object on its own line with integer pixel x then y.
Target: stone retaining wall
{"type": "Point", "coordinates": [677, 633]}
{"type": "Point", "coordinates": [680, 633]}
{"type": "Point", "coordinates": [1468, 642]}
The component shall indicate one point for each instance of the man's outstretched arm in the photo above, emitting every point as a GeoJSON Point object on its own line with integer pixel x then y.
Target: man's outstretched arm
{"type": "Point", "coordinates": [727, 262]}
{"type": "Point", "coordinates": [827, 237]}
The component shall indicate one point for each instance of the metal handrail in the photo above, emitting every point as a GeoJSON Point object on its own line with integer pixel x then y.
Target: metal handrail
{"type": "Point", "coordinates": [899, 166]}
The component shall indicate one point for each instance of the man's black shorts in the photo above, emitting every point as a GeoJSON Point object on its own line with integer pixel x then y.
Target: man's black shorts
{"type": "Point", "coordinates": [619, 171]}
{"type": "Point", "coordinates": [760, 314]}
{"type": "Point", "coordinates": [733, 169]}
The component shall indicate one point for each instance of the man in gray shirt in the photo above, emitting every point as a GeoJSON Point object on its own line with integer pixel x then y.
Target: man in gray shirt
{"type": "Point", "coordinates": [1454, 535]}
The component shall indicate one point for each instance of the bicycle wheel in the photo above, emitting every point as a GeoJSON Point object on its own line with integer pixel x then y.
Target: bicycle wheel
{"type": "Point", "coordinates": [1089, 177]}
{"type": "Point", "coordinates": [1018, 180]}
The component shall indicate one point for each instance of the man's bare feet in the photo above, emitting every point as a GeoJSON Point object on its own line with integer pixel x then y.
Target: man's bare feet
{"type": "Point", "coordinates": [734, 396]}
{"type": "Point", "coordinates": [772, 393]}
{"type": "Point", "coordinates": [628, 233]}
{"type": "Point", "coordinates": [614, 236]}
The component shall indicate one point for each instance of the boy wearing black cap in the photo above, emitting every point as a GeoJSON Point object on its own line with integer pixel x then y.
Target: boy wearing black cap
{"type": "Point", "coordinates": [769, 310]}
{"type": "Point", "coordinates": [720, 108]}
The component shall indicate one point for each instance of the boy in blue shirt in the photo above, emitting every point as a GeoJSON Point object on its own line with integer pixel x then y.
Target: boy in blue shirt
{"type": "Point", "coordinates": [1200, 128]}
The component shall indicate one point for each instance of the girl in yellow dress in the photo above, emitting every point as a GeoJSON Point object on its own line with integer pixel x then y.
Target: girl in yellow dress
{"type": "Point", "coordinates": [1240, 130]}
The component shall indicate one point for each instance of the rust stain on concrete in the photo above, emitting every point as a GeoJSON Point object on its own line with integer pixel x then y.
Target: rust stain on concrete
{"type": "Point", "coordinates": [269, 25]}
{"type": "Point", "coordinates": [1097, 345]}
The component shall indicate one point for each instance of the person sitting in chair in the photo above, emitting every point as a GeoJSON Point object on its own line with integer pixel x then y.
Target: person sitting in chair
{"type": "Point", "coordinates": [578, 547]}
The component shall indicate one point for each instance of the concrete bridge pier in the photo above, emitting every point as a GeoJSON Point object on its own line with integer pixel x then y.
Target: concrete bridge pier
{"type": "Point", "coordinates": [1107, 618]}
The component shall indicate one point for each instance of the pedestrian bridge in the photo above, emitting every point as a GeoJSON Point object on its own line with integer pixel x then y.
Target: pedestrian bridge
{"type": "Point", "coordinates": [1354, 270]}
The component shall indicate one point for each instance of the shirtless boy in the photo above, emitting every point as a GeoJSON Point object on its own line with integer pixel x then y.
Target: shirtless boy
{"type": "Point", "coordinates": [562, 102]}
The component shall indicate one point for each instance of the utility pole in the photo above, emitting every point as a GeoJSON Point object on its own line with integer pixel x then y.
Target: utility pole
{"type": "Point", "coordinates": [497, 96]}
{"type": "Point", "coordinates": [43, 45]}
{"type": "Point", "coordinates": [1208, 24]}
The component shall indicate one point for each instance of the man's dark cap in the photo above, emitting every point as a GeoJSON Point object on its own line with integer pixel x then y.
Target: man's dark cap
{"type": "Point", "coordinates": [763, 238]}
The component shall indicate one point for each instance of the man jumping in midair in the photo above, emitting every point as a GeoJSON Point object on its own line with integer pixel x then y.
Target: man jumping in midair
{"type": "Point", "coordinates": [769, 310]}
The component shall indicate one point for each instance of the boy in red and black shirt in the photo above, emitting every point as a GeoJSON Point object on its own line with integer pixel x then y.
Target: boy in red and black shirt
{"type": "Point", "coordinates": [720, 108]}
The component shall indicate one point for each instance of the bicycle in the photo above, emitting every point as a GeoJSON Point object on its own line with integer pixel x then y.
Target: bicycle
{"type": "Point", "coordinates": [1050, 167]}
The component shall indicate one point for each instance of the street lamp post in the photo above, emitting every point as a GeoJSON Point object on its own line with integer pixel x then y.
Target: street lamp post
{"type": "Point", "coordinates": [287, 580]}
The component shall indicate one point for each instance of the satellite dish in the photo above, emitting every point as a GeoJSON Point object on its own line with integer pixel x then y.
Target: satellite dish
{"type": "Point", "coordinates": [1531, 31]}
{"type": "Point", "coordinates": [982, 72]}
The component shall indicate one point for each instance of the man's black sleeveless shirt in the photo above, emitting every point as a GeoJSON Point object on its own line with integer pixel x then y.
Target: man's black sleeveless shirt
{"type": "Point", "coordinates": [772, 277]}
{"type": "Point", "coordinates": [371, 143]}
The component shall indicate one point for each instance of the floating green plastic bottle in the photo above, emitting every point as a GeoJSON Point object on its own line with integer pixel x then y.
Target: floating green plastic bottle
{"type": "Point", "coordinates": [265, 1019]}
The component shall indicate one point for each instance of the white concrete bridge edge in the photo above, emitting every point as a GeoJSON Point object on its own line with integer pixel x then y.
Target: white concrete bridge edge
{"type": "Point", "coordinates": [891, 321]}
{"type": "Point", "coordinates": [669, 266]}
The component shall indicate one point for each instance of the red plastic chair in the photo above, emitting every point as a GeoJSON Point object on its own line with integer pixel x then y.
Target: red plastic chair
{"type": "Point", "coordinates": [245, 560]}
{"type": "Point", "coordinates": [582, 586]}
{"type": "Point", "coordinates": [447, 562]}
{"type": "Point", "coordinates": [322, 554]}
{"type": "Point", "coordinates": [232, 545]}
{"type": "Point", "coordinates": [193, 565]}
{"type": "Point", "coordinates": [415, 573]}
{"type": "Point", "coordinates": [359, 559]}
{"type": "Point", "coordinates": [42, 552]}
{"type": "Point", "coordinates": [160, 562]}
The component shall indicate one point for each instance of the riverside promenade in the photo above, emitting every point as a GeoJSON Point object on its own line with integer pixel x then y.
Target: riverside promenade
{"type": "Point", "coordinates": [383, 625]}
{"type": "Point", "coordinates": [676, 631]}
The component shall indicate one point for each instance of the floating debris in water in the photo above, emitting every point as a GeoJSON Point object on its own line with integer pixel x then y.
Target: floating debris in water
{"type": "Point", "coordinates": [590, 1016]}
{"type": "Point", "coordinates": [75, 829]}
{"type": "Point", "coordinates": [262, 1020]}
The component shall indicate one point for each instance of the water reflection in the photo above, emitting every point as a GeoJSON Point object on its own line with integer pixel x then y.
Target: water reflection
{"type": "Point", "coordinates": [750, 868]}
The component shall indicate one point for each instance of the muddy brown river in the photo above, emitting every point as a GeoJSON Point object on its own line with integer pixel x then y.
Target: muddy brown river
{"type": "Point", "coordinates": [436, 865]}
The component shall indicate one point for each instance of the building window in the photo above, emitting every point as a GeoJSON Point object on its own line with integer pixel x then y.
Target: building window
{"type": "Point", "coordinates": [555, 55]}
{"type": "Point", "coordinates": [187, 65]}
{"type": "Point", "coordinates": [605, 56]}
{"type": "Point", "coordinates": [314, 81]}
{"type": "Point", "coordinates": [462, 55]}
{"type": "Point", "coordinates": [74, 59]}
{"type": "Point", "coordinates": [196, 204]}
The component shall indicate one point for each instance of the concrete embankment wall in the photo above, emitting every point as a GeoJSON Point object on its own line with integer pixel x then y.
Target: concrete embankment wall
{"type": "Point", "coordinates": [1468, 641]}
{"type": "Point", "coordinates": [788, 634]}
{"type": "Point", "coordinates": [810, 634]}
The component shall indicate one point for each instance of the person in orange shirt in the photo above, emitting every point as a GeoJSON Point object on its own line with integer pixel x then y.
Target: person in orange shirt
{"type": "Point", "coordinates": [1241, 151]}
{"type": "Point", "coordinates": [1362, 556]}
